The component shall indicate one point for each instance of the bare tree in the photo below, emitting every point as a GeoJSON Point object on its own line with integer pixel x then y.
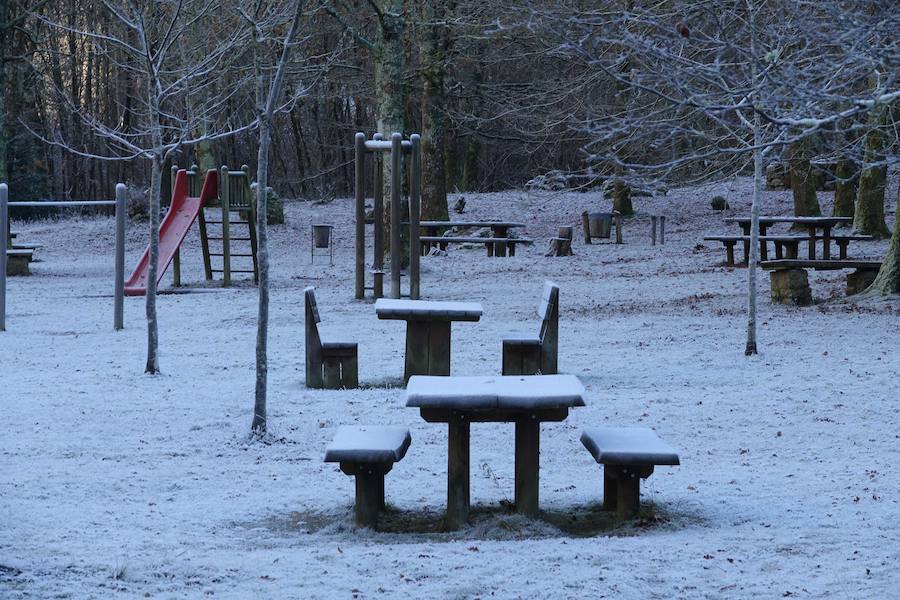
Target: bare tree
{"type": "Point", "coordinates": [172, 68]}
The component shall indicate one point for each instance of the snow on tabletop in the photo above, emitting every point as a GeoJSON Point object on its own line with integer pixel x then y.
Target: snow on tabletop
{"type": "Point", "coordinates": [116, 484]}
{"type": "Point", "coordinates": [521, 338]}
{"type": "Point", "coordinates": [628, 445]}
{"type": "Point", "coordinates": [388, 307]}
{"type": "Point", "coordinates": [495, 391]}
{"type": "Point", "coordinates": [367, 443]}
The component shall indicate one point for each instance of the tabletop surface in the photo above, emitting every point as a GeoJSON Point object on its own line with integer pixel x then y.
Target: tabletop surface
{"type": "Point", "coordinates": [524, 392]}
{"type": "Point", "coordinates": [388, 308]}
{"type": "Point", "coordinates": [801, 220]}
{"type": "Point", "coordinates": [470, 224]}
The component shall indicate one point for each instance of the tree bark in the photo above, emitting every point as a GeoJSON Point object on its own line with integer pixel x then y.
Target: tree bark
{"type": "Point", "coordinates": [888, 279]}
{"type": "Point", "coordinates": [868, 219]}
{"type": "Point", "coordinates": [152, 323]}
{"type": "Point", "coordinates": [622, 199]}
{"type": "Point", "coordinates": [803, 179]}
{"type": "Point", "coordinates": [434, 49]}
{"type": "Point", "coordinates": [845, 189]}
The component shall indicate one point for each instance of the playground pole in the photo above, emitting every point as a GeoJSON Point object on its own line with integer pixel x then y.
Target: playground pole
{"type": "Point", "coordinates": [360, 216]}
{"type": "Point", "coordinates": [396, 156]}
{"type": "Point", "coordinates": [119, 309]}
{"type": "Point", "coordinates": [414, 202]}
{"type": "Point", "coordinates": [4, 227]}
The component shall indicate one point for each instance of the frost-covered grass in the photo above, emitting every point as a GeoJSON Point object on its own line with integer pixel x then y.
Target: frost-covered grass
{"type": "Point", "coordinates": [118, 484]}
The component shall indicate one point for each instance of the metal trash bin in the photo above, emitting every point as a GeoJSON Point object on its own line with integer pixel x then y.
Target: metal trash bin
{"type": "Point", "coordinates": [600, 224]}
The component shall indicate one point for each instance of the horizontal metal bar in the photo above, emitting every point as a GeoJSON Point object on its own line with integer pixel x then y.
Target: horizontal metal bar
{"type": "Point", "coordinates": [63, 204]}
{"type": "Point", "coordinates": [385, 145]}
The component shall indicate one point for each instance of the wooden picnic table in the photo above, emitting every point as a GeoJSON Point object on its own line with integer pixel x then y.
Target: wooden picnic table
{"type": "Point", "coordinates": [812, 224]}
{"type": "Point", "coordinates": [526, 400]}
{"type": "Point", "coordinates": [499, 229]}
{"type": "Point", "coordinates": [427, 331]}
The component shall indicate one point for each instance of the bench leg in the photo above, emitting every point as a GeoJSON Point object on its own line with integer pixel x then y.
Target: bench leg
{"type": "Point", "coordinates": [457, 474]}
{"type": "Point", "coordinates": [842, 248]}
{"type": "Point", "coordinates": [350, 372]}
{"type": "Point", "coordinates": [490, 249]}
{"type": "Point", "coordinates": [512, 248]}
{"type": "Point", "coordinates": [314, 372]}
{"type": "Point", "coordinates": [729, 254]}
{"type": "Point", "coordinates": [528, 432]}
{"type": "Point", "coordinates": [610, 492]}
{"type": "Point", "coordinates": [511, 363]}
{"type": "Point", "coordinates": [439, 348]}
{"type": "Point", "coordinates": [521, 360]}
{"type": "Point", "coordinates": [792, 250]}
{"type": "Point", "coordinates": [369, 497]}
{"type": "Point", "coordinates": [628, 495]}
{"type": "Point", "coordinates": [331, 372]}
{"type": "Point", "coordinates": [416, 349]}
{"type": "Point", "coordinates": [779, 250]}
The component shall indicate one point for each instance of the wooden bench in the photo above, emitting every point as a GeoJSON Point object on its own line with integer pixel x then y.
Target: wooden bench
{"type": "Point", "coordinates": [525, 354]}
{"type": "Point", "coordinates": [17, 260]}
{"type": "Point", "coordinates": [430, 240]}
{"type": "Point", "coordinates": [368, 453]}
{"type": "Point", "coordinates": [628, 454]}
{"type": "Point", "coordinates": [330, 363]}
{"type": "Point", "coordinates": [843, 242]}
{"type": "Point", "coordinates": [790, 283]}
{"type": "Point", "coordinates": [786, 246]}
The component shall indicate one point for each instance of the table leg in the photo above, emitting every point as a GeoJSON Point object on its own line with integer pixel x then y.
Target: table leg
{"type": "Point", "coordinates": [826, 242]}
{"type": "Point", "coordinates": [457, 474]}
{"type": "Point", "coordinates": [812, 242]}
{"type": "Point", "coordinates": [763, 245]}
{"type": "Point", "coordinates": [528, 432]}
{"type": "Point", "coordinates": [439, 348]}
{"type": "Point", "coordinates": [745, 227]}
{"type": "Point", "coordinates": [500, 247]}
{"type": "Point", "coordinates": [417, 349]}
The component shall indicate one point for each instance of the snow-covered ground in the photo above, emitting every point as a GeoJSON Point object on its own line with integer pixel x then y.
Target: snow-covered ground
{"type": "Point", "coordinates": [117, 484]}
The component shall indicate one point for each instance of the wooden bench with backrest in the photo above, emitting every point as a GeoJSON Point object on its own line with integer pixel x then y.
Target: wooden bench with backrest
{"type": "Point", "coordinates": [330, 363]}
{"type": "Point", "coordinates": [17, 260]}
{"type": "Point", "coordinates": [628, 454]}
{"type": "Point", "coordinates": [790, 283]}
{"type": "Point", "coordinates": [525, 354]}
{"type": "Point", "coordinates": [429, 241]}
{"type": "Point", "coordinates": [368, 453]}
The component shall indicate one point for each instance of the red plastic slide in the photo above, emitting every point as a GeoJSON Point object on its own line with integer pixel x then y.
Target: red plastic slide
{"type": "Point", "coordinates": [173, 229]}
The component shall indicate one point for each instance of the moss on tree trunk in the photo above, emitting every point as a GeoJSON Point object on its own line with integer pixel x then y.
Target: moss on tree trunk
{"type": "Point", "coordinates": [622, 199]}
{"type": "Point", "coordinates": [888, 279]}
{"type": "Point", "coordinates": [868, 218]}
{"type": "Point", "coordinates": [803, 180]}
{"type": "Point", "coordinates": [847, 175]}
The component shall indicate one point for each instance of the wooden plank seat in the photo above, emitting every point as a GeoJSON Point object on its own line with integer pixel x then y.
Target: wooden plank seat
{"type": "Point", "coordinates": [428, 241]}
{"type": "Point", "coordinates": [368, 453]}
{"type": "Point", "coordinates": [628, 454]}
{"type": "Point", "coordinates": [330, 362]}
{"type": "Point", "coordinates": [790, 283]}
{"type": "Point", "coordinates": [786, 246]}
{"type": "Point", "coordinates": [17, 260]}
{"type": "Point", "coordinates": [528, 354]}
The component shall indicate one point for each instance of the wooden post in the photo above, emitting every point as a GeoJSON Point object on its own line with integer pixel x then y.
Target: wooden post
{"type": "Point", "coordinates": [457, 473]}
{"type": "Point", "coordinates": [119, 289]}
{"type": "Point", "coordinates": [204, 236]}
{"type": "Point", "coordinates": [378, 218]}
{"type": "Point", "coordinates": [415, 191]}
{"type": "Point", "coordinates": [618, 219]}
{"type": "Point", "coordinates": [586, 227]}
{"type": "Point", "coordinates": [527, 466]}
{"type": "Point", "coordinates": [360, 183]}
{"type": "Point", "coordinates": [369, 495]}
{"type": "Point", "coordinates": [662, 229]}
{"type": "Point", "coordinates": [396, 183]}
{"type": "Point", "coordinates": [224, 195]}
{"type": "Point", "coordinates": [610, 493]}
{"type": "Point", "coordinates": [176, 261]}
{"type": "Point", "coordinates": [4, 231]}
{"type": "Point", "coordinates": [653, 229]}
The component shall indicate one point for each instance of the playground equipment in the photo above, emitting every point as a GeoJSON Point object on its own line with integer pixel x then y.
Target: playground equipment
{"type": "Point", "coordinates": [396, 147]}
{"type": "Point", "coordinates": [224, 189]}
{"type": "Point", "coordinates": [119, 203]}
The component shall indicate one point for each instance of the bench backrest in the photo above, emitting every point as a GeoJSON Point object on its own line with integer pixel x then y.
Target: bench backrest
{"type": "Point", "coordinates": [548, 310]}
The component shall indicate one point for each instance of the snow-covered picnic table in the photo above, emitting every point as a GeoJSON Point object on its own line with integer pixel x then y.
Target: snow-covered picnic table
{"type": "Point", "coordinates": [523, 400]}
{"type": "Point", "coordinates": [427, 331]}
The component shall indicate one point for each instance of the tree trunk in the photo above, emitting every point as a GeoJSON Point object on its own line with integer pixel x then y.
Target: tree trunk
{"type": "Point", "coordinates": [845, 190]}
{"type": "Point", "coordinates": [5, 42]}
{"type": "Point", "coordinates": [803, 179]}
{"type": "Point", "coordinates": [888, 279]}
{"type": "Point", "coordinates": [470, 164]}
{"type": "Point", "coordinates": [152, 324]}
{"type": "Point", "coordinates": [868, 219]}
{"type": "Point", "coordinates": [622, 199]}
{"type": "Point", "coordinates": [758, 182]}
{"type": "Point", "coordinates": [258, 426]}
{"type": "Point", "coordinates": [434, 49]}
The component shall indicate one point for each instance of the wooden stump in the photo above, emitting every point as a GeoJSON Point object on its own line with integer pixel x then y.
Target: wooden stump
{"type": "Point", "coordinates": [790, 286]}
{"type": "Point", "coordinates": [562, 244]}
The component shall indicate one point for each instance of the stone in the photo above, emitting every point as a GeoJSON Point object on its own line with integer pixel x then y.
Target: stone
{"type": "Point", "coordinates": [859, 280]}
{"type": "Point", "coordinates": [790, 286]}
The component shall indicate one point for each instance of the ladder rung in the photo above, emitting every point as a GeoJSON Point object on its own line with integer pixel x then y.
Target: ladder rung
{"type": "Point", "coordinates": [236, 239]}
{"type": "Point", "coordinates": [229, 222]}
{"type": "Point", "coordinates": [232, 271]}
{"type": "Point", "coordinates": [231, 255]}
